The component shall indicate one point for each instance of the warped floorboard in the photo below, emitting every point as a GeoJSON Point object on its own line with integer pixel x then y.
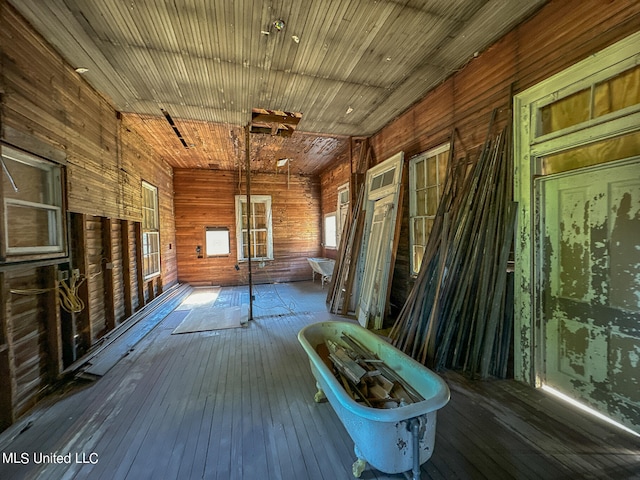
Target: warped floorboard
{"type": "Point", "coordinates": [238, 404]}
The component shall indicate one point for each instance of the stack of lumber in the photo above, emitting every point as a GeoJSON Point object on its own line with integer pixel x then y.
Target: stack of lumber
{"type": "Point", "coordinates": [344, 282]}
{"type": "Point", "coordinates": [458, 315]}
{"type": "Point", "coordinates": [365, 377]}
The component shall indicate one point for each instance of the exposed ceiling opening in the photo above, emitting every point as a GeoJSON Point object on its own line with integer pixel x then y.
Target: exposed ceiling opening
{"type": "Point", "coordinates": [174, 127]}
{"type": "Point", "coordinates": [274, 122]}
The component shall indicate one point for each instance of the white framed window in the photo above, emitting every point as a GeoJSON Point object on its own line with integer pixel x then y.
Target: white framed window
{"type": "Point", "coordinates": [32, 204]}
{"type": "Point", "coordinates": [330, 233]}
{"type": "Point", "coordinates": [150, 231]}
{"type": "Point", "coordinates": [217, 241]}
{"type": "Point", "coordinates": [261, 247]}
{"type": "Point", "coordinates": [343, 211]}
{"type": "Point", "coordinates": [426, 175]}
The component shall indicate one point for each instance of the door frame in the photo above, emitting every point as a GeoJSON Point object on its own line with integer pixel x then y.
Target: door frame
{"type": "Point", "coordinates": [528, 148]}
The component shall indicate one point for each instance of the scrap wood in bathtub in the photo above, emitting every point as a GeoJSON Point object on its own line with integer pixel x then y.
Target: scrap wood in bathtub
{"type": "Point", "coordinates": [364, 376]}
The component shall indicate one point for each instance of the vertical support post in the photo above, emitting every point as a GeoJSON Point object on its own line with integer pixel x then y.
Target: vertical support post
{"type": "Point", "coordinates": [107, 274]}
{"type": "Point", "coordinates": [54, 328]}
{"type": "Point", "coordinates": [139, 272]}
{"type": "Point", "coordinates": [126, 267]}
{"type": "Point", "coordinates": [249, 240]}
{"type": "Point", "coordinates": [7, 373]}
{"type": "Point", "coordinates": [80, 256]}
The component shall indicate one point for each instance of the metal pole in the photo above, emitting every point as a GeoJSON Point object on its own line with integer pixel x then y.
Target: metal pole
{"type": "Point", "coordinates": [250, 249]}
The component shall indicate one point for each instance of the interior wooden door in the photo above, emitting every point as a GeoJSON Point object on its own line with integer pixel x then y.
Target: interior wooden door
{"type": "Point", "coordinates": [589, 282]}
{"type": "Point", "coordinates": [376, 263]}
{"type": "Point", "coordinates": [383, 186]}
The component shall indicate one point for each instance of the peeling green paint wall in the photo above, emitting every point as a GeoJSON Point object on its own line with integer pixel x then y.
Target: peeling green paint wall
{"type": "Point", "coordinates": [577, 273]}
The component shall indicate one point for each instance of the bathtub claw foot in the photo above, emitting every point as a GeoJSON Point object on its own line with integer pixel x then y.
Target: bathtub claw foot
{"type": "Point", "coordinates": [319, 396]}
{"type": "Point", "coordinates": [358, 467]}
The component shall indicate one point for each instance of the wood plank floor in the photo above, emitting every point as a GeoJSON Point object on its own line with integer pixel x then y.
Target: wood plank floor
{"type": "Point", "coordinates": [238, 404]}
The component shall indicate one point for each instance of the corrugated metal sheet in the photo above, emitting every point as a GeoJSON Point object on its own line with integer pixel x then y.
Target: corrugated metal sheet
{"type": "Point", "coordinates": [348, 66]}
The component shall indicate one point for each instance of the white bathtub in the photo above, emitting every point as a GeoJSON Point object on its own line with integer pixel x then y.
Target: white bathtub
{"type": "Point", "coordinates": [323, 267]}
{"type": "Point", "coordinates": [382, 437]}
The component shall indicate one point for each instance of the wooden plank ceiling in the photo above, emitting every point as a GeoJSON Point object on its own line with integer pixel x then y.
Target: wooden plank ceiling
{"type": "Point", "coordinates": [348, 66]}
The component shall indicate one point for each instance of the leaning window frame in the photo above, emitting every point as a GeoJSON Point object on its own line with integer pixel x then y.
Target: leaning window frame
{"type": "Point", "coordinates": [55, 207]}
{"type": "Point", "coordinates": [434, 152]}
{"type": "Point", "coordinates": [342, 211]}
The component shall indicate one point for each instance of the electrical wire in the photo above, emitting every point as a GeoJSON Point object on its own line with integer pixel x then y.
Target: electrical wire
{"type": "Point", "coordinates": [70, 301]}
{"type": "Point", "coordinates": [30, 291]}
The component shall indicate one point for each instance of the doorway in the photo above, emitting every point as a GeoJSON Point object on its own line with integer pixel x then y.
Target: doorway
{"type": "Point", "coordinates": [577, 165]}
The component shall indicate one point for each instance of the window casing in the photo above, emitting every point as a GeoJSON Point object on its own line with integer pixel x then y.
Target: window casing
{"type": "Point", "coordinates": [217, 241]}
{"type": "Point", "coordinates": [330, 233]}
{"type": "Point", "coordinates": [261, 230]}
{"type": "Point", "coordinates": [32, 205]}
{"type": "Point", "coordinates": [150, 231]}
{"type": "Point", "coordinates": [426, 176]}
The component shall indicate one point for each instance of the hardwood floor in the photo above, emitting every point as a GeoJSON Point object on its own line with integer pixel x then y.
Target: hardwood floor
{"type": "Point", "coordinates": [238, 404]}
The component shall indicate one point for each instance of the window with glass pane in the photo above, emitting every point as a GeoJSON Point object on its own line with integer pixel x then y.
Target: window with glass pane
{"type": "Point", "coordinates": [614, 94]}
{"type": "Point", "coordinates": [217, 241]}
{"type": "Point", "coordinates": [150, 231]}
{"type": "Point", "coordinates": [330, 237]}
{"type": "Point", "coordinates": [260, 229]}
{"type": "Point", "coordinates": [427, 173]}
{"type": "Point", "coordinates": [32, 198]}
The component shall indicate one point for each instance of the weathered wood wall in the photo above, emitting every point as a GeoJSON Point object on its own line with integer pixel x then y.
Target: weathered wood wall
{"type": "Point", "coordinates": [206, 198]}
{"type": "Point", "coordinates": [30, 321]}
{"type": "Point", "coordinates": [559, 35]}
{"type": "Point", "coordinates": [47, 109]}
{"type": "Point", "coordinates": [330, 181]}
{"type": "Point", "coordinates": [140, 163]}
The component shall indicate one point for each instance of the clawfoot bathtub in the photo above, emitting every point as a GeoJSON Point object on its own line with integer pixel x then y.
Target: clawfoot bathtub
{"type": "Point", "coordinates": [394, 440]}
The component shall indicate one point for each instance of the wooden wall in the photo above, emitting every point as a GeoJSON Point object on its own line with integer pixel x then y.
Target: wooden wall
{"type": "Point", "coordinates": [350, 168]}
{"type": "Point", "coordinates": [47, 109]}
{"type": "Point", "coordinates": [330, 181]}
{"type": "Point", "coordinates": [31, 323]}
{"type": "Point", "coordinates": [140, 163]}
{"type": "Point", "coordinates": [206, 198]}
{"type": "Point", "coordinates": [559, 35]}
